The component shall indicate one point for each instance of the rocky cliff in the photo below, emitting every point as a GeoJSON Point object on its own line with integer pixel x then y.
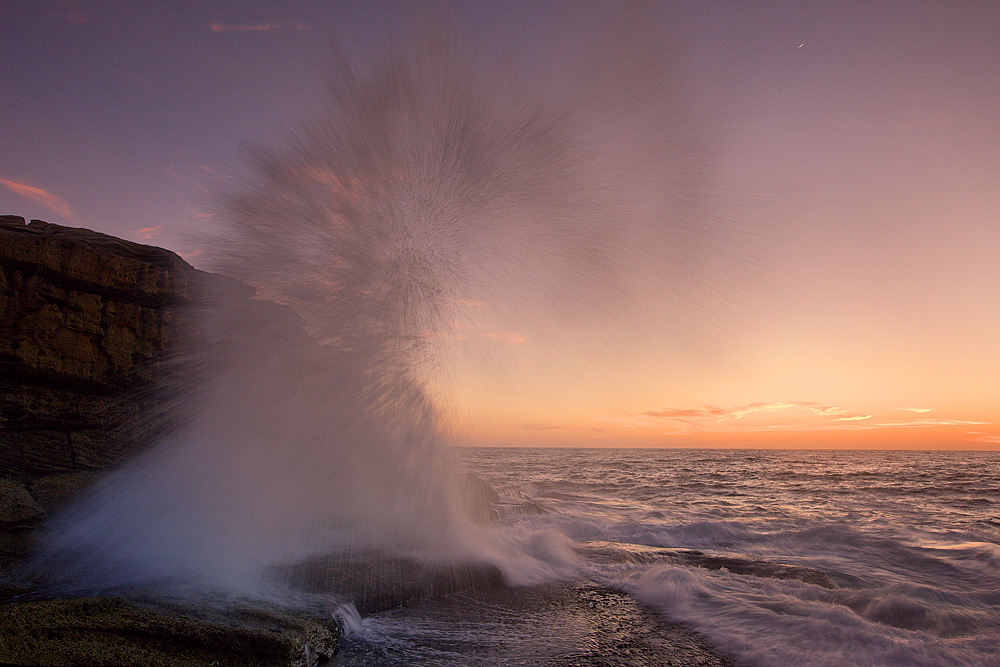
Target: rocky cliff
{"type": "Point", "coordinates": [86, 322]}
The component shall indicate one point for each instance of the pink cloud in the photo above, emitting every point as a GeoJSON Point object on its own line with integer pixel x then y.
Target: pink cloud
{"type": "Point", "coordinates": [869, 426]}
{"type": "Point", "coordinates": [46, 199]}
{"type": "Point", "coordinates": [512, 337]}
{"type": "Point", "coordinates": [741, 411]}
{"type": "Point", "coordinates": [200, 215]}
{"type": "Point", "coordinates": [216, 26]}
{"type": "Point", "coordinates": [750, 408]}
{"type": "Point", "coordinates": [979, 436]}
{"type": "Point", "coordinates": [780, 416]}
{"type": "Point", "coordinates": [924, 423]}
{"type": "Point", "coordinates": [147, 233]}
{"type": "Point", "coordinates": [687, 413]}
{"type": "Point", "coordinates": [212, 171]}
{"type": "Point", "coordinates": [694, 418]}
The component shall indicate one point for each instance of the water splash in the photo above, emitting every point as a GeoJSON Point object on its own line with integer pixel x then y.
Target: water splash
{"type": "Point", "coordinates": [438, 170]}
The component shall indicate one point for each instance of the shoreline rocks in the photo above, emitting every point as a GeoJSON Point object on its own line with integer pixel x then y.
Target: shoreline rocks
{"type": "Point", "coordinates": [636, 554]}
{"type": "Point", "coordinates": [113, 632]}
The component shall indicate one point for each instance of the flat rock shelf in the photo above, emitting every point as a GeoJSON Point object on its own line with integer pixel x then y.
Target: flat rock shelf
{"type": "Point", "coordinates": [572, 624]}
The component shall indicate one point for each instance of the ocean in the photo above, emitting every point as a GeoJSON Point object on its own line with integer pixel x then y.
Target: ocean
{"type": "Point", "coordinates": [910, 540]}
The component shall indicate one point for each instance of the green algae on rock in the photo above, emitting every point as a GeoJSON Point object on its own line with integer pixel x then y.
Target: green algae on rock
{"type": "Point", "coordinates": [110, 632]}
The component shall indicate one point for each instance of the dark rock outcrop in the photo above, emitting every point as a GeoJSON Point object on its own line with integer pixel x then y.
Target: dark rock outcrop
{"type": "Point", "coordinates": [483, 503]}
{"type": "Point", "coordinates": [86, 322]}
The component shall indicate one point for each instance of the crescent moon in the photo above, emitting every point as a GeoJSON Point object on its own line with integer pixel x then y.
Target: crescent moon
{"type": "Point", "coordinates": [800, 45]}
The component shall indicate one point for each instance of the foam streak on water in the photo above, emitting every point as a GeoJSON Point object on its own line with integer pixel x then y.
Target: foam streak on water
{"type": "Point", "coordinates": [911, 539]}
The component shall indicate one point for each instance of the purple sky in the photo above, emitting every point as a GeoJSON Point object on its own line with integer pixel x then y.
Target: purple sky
{"type": "Point", "coordinates": [862, 136]}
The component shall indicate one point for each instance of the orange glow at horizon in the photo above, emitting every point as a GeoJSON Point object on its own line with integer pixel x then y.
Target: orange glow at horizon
{"type": "Point", "coordinates": [537, 393]}
{"type": "Point", "coordinates": [840, 391]}
{"type": "Point", "coordinates": [633, 431]}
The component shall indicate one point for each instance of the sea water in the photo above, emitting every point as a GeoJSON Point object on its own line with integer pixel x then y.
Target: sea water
{"type": "Point", "coordinates": [910, 539]}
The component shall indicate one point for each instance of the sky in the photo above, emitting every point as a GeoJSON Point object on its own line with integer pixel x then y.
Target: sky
{"type": "Point", "coordinates": [859, 140]}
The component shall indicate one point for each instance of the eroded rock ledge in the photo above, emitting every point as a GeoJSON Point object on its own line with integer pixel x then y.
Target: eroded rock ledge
{"type": "Point", "coordinates": [110, 632]}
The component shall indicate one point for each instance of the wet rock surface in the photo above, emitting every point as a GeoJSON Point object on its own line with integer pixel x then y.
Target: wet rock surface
{"type": "Point", "coordinates": [374, 582]}
{"type": "Point", "coordinates": [571, 624]}
{"type": "Point", "coordinates": [555, 625]}
{"type": "Point", "coordinates": [485, 504]}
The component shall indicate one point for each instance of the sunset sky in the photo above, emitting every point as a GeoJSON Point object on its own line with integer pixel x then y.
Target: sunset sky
{"type": "Point", "coordinates": [858, 141]}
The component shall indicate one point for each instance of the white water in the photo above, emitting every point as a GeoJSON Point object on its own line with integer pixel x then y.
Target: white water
{"type": "Point", "coordinates": [911, 539]}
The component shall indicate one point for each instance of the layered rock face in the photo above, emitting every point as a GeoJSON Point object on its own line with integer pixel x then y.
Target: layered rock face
{"type": "Point", "coordinates": [86, 322]}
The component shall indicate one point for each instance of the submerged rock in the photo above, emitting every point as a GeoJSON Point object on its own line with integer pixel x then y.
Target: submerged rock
{"type": "Point", "coordinates": [485, 504]}
{"type": "Point", "coordinates": [620, 552]}
{"type": "Point", "coordinates": [20, 514]}
{"type": "Point", "coordinates": [17, 507]}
